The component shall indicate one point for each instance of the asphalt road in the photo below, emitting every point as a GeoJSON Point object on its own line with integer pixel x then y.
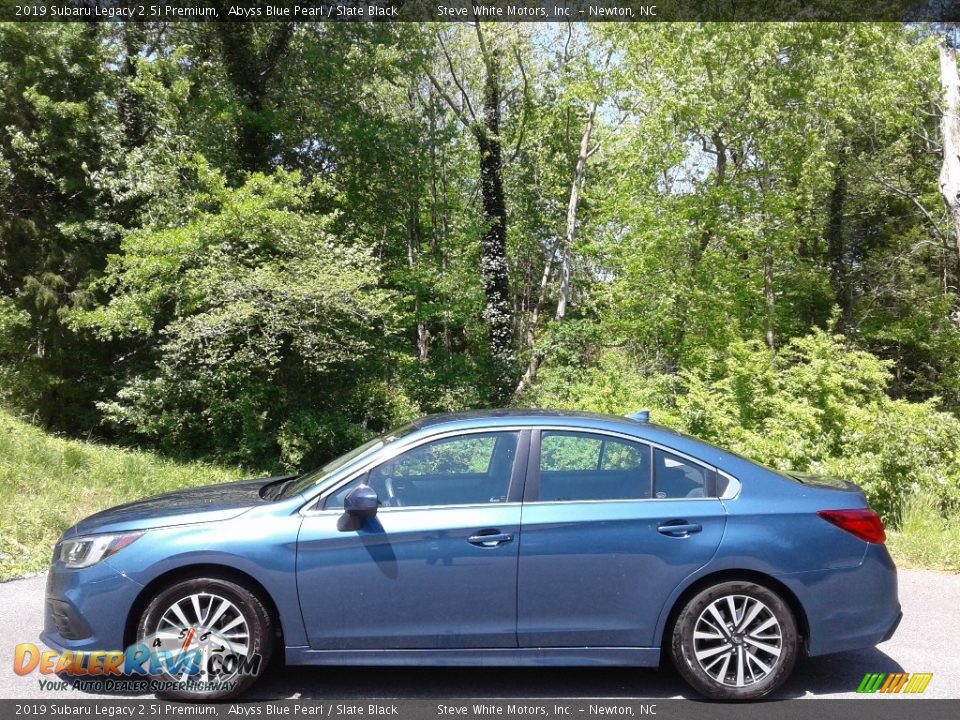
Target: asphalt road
{"type": "Point", "coordinates": [928, 640]}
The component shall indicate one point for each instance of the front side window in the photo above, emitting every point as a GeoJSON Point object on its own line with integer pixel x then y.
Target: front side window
{"type": "Point", "coordinates": [587, 466]}
{"type": "Point", "coordinates": [464, 470]}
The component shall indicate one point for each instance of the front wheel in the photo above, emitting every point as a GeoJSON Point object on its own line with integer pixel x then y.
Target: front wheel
{"type": "Point", "coordinates": [213, 638]}
{"type": "Point", "coordinates": [735, 641]}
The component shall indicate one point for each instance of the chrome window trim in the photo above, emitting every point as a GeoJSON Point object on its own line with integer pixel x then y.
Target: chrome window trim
{"type": "Point", "coordinates": [733, 486]}
{"type": "Point", "coordinates": [465, 506]}
{"type": "Point", "coordinates": [633, 438]}
{"type": "Point", "coordinates": [309, 509]}
{"type": "Point", "coordinates": [609, 501]}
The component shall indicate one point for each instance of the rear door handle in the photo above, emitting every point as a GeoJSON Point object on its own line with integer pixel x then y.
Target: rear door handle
{"type": "Point", "coordinates": [489, 538]}
{"type": "Point", "coordinates": [678, 528]}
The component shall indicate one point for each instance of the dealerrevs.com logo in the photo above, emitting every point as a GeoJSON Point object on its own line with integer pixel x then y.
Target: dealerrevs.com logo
{"type": "Point", "coordinates": [139, 668]}
{"type": "Point", "coordinates": [908, 683]}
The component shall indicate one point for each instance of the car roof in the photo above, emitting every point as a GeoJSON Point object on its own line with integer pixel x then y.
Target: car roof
{"type": "Point", "coordinates": [477, 418]}
{"type": "Point", "coordinates": [575, 420]}
{"type": "Point", "coordinates": [472, 419]}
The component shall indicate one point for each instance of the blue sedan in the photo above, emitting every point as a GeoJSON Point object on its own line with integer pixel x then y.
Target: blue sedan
{"type": "Point", "coordinates": [508, 537]}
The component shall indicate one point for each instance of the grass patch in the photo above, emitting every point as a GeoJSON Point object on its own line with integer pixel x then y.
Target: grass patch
{"type": "Point", "coordinates": [925, 539]}
{"type": "Point", "coordinates": [48, 483]}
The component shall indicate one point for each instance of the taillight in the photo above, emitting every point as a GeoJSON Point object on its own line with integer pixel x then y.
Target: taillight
{"type": "Point", "coordinates": [865, 524]}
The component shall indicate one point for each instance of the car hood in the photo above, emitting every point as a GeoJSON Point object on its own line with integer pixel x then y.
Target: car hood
{"type": "Point", "coordinates": [180, 507]}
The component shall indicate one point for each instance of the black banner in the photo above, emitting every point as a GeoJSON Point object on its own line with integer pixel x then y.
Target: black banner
{"type": "Point", "coordinates": [354, 709]}
{"type": "Point", "coordinates": [485, 10]}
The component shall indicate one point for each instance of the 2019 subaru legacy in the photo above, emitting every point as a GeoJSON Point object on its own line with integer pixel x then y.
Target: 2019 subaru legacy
{"type": "Point", "coordinates": [512, 537]}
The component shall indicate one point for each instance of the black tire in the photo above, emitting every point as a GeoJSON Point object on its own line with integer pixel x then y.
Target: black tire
{"type": "Point", "coordinates": [731, 646]}
{"type": "Point", "coordinates": [259, 624]}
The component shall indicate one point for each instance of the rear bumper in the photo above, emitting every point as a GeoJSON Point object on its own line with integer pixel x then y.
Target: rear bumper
{"type": "Point", "coordinates": [849, 608]}
{"type": "Point", "coordinates": [893, 628]}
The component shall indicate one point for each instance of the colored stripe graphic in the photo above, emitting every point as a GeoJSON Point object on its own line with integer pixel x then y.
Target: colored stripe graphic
{"type": "Point", "coordinates": [922, 680]}
{"type": "Point", "coordinates": [896, 682]}
{"type": "Point", "coordinates": [871, 682]}
{"type": "Point", "coordinates": [913, 683]}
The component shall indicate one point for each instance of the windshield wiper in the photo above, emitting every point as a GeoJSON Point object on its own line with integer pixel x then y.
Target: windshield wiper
{"type": "Point", "coordinates": [274, 490]}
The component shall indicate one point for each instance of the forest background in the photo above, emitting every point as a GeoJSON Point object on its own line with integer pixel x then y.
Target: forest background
{"type": "Point", "coordinates": [229, 249]}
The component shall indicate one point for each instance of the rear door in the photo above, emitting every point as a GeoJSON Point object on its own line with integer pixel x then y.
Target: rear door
{"type": "Point", "coordinates": [610, 527]}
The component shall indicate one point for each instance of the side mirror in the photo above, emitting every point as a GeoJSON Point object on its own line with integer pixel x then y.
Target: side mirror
{"type": "Point", "coordinates": [362, 501]}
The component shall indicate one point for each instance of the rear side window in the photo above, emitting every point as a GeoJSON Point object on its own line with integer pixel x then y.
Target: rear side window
{"type": "Point", "coordinates": [675, 477]}
{"type": "Point", "coordinates": [586, 466]}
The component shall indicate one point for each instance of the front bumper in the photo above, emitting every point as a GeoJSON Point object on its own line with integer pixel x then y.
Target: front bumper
{"type": "Point", "coordinates": [87, 609]}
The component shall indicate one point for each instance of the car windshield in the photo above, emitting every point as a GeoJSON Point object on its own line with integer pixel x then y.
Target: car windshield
{"type": "Point", "coordinates": [308, 480]}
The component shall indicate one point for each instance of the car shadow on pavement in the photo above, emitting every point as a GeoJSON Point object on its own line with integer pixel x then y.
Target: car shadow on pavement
{"type": "Point", "coordinates": [827, 675]}
{"type": "Point", "coordinates": [474, 682]}
{"type": "Point", "coordinates": [837, 673]}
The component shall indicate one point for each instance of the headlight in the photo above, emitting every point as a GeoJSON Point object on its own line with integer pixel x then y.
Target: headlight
{"type": "Point", "coordinates": [83, 552]}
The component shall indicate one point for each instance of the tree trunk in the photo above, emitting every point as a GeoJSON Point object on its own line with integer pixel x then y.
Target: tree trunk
{"type": "Point", "coordinates": [950, 130]}
{"type": "Point", "coordinates": [576, 187]}
{"type": "Point", "coordinates": [573, 205]}
{"type": "Point", "coordinates": [130, 106]}
{"type": "Point", "coordinates": [836, 242]}
{"type": "Point", "coordinates": [250, 72]}
{"type": "Point", "coordinates": [493, 246]}
{"type": "Point", "coordinates": [720, 177]}
{"type": "Point", "coordinates": [531, 336]}
{"type": "Point", "coordinates": [414, 236]}
{"type": "Point", "coordinates": [768, 296]}
{"type": "Point", "coordinates": [497, 314]}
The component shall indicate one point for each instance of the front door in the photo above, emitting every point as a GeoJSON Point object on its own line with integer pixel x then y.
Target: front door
{"type": "Point", "coordinates": [436, 567]}
{"type": "Point", "coordinates": [611, 526]}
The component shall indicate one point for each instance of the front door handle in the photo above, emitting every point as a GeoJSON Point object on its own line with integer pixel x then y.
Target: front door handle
{"type": "Point", "coordinates": [678, 528]}
{"type": "Point", "coordinates": [489, 538]}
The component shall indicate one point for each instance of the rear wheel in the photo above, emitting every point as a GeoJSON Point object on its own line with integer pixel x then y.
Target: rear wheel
{"type": "Point", "coordinates": [216, 638]}
{"type": "Point", "coordinates": [735, 641]}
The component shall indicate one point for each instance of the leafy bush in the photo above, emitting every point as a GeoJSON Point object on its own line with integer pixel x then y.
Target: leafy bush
{"type": "Point", "coordinates": [815, 406]}
{"type": "Point", "coordinates": [256, 326]}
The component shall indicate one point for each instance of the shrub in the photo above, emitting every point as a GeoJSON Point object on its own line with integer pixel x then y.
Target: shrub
{"type": "Point", "coordinates": [253, 321]}
{"type": "Point", "coordinates": [815, 406]}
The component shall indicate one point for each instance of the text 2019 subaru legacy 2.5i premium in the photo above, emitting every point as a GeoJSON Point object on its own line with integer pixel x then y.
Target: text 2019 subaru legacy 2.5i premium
{"type": "Point", "coordinates": [488, 538]}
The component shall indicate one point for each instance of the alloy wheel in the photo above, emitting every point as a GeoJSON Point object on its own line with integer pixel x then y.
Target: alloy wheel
{"type": "Point", "coordinates": [206, 622]}
{"type": "Point", "coordinates": [737, 640]}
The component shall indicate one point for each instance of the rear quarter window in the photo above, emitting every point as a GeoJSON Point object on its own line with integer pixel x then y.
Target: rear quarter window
{"type": "Point", "coordinates": [675, 477]}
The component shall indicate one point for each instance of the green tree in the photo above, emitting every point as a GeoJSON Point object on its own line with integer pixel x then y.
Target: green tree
{"type": "Point", "coordinates": [58, 130]}
{"type": "Point", "coordinates": [252, 319]}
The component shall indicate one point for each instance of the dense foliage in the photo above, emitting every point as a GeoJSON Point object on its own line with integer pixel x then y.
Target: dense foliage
{"type": "Point", "coordinates": [251, 325]}
{"type": "Point", "coordinates": [738, 226]}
